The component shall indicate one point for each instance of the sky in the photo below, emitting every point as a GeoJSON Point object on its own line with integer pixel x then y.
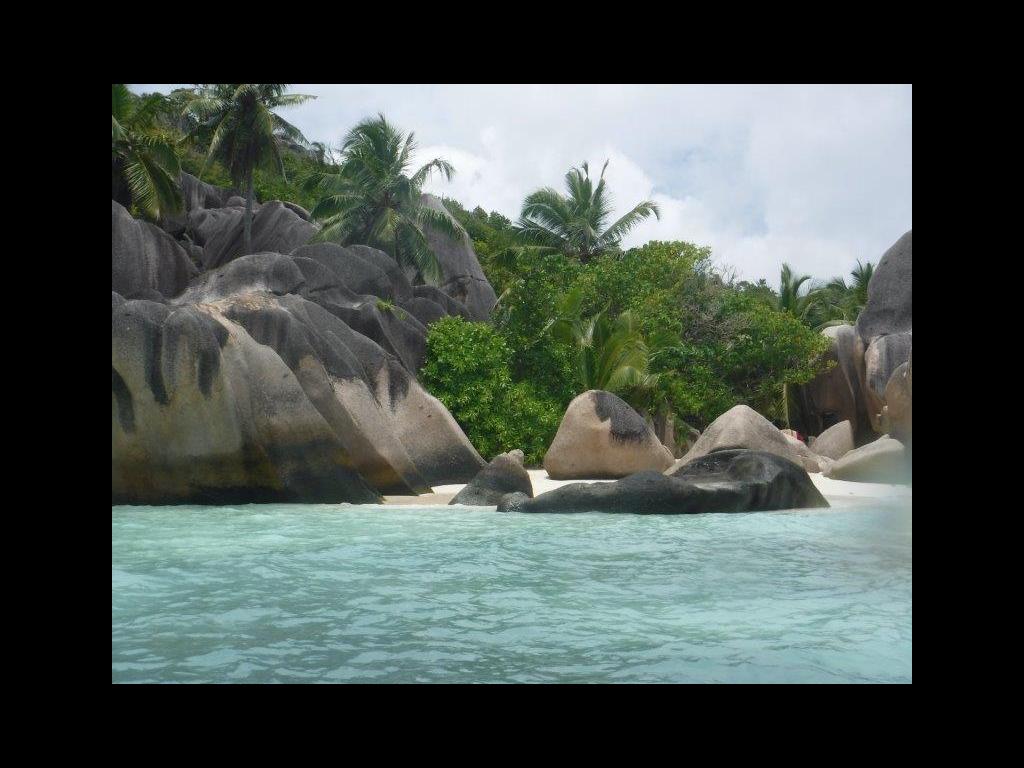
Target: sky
{"type": "Point", "coordinates": [815, 176]}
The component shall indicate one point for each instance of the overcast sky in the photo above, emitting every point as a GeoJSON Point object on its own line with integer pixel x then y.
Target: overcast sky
{"type": "Point", "coordinates": [817, 176]}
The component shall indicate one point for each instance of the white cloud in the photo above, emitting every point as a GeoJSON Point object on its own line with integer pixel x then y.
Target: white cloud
{"type": "Point", "coordinates": [817, 176]}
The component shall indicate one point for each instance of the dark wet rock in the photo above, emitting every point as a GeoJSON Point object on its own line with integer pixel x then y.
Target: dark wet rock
{"type": "Point", "coordinates": [461, 275]}
{"type": "Point", "coordinates": [724, 481]}
{"type": "Point", "coordinates": [601, 436]}
{"type": "Point", "coordinates": [145, 260]}
{"type": "Point", "coordinates": [505, 474]}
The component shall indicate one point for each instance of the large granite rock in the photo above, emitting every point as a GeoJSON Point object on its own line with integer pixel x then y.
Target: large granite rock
{"type": "Point", "coordinates": [505, 474]}
{"type": "Point", "coordinates": [601, 436]}
{"type": "Point", "coordinates": [461, 275]}
{"type": "Point", "coordinates": [343, 281]}
{"type": "Point", "coordinates": [743, 427]}
{"type": "Point", "coordinates": [145, 260]}
{"type": "Point", "coordinates": [835, 442]}
{"type": "Point", "coordinates": [883, 461]}
{"type": "Point", "coordinates": [275, 227]}
{"type": "Point", "coordinates": [195, 195]}
{"type": "Point", "coordinates": [890, 293]}
{"type": "Point", "coordinates": [883, 356]}
{"type": "Point", "coordinates": [836, 395]}
{"type": "Point", "coordinates": [724, 481]}
{"type": "Point", "coordinates": [899, 407]}
{"type": "Point", "coordinates": [204, 414]}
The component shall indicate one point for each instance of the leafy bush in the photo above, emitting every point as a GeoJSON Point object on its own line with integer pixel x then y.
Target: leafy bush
{"type": "Point", "coordinates": [468, 368]}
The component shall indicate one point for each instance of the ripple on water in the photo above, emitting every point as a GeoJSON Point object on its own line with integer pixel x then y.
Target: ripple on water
{"type": "Point", "coordinates": [335, 593]}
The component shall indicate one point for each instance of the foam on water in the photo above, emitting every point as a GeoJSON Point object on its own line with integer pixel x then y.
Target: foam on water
{"type": "Point", "coordinates": [335, 593]}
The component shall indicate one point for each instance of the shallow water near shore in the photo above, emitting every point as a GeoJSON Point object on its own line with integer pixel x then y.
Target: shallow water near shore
{"type": "Point", "coordinates": [342, 593]}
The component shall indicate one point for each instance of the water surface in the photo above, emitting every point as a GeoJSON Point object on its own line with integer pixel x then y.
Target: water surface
{"type": "Point", "coordinates": [340, 593]}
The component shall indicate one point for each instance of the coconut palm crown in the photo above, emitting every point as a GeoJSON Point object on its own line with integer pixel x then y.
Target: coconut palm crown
{"type": "Point", "coordinates": [370, 198]}
{"type": "Point", "coordinates": [576, 224]}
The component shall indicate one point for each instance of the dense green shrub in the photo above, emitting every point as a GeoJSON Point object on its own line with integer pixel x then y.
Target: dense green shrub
{"type": "Point", "coordinates": [468, 368]}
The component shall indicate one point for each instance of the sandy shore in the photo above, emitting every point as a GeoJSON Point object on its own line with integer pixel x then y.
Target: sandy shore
{"type": "Point", "coordinates": [837, 492]}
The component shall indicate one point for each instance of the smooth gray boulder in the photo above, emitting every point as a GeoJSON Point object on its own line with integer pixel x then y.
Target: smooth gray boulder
{"type": "Point", "coordinates": [882, 461]}
{"type": "Point", "coordinates": [601, 436]}
{"type": "Point", "coordinates": [195, 195]}
{"type": "Point", "coordinates": [270, 272]}
{"type": "Point", "coordinates": [461, 275]}
{"type": "Point", "coordinates": [274, 228]}
{"type": "Point", "coordinates": [743, 427]}
{"type": "Point", "coordinates": [724, 481]}
{"type": "Point", "coordinates": [145, 259]}
{"type": "Point", "coordinates": [435, 294]}
{"type": "Point", "coordinates": [890, 293]}
{"type": "Point", "coordinates": [835, 442]}
{"type": "Point", "coordinates": [505, 474]}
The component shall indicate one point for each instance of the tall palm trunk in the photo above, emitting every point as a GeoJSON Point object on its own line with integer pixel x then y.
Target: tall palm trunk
{"type": "Point", "coordinates": [247, 222]}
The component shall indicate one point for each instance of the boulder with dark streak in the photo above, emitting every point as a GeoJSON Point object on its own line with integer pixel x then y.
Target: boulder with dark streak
{"type": "Point", "coordinates": [601, 436]}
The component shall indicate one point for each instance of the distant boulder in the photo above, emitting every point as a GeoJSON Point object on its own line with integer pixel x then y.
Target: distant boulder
{"type": "Point", "coordinates": [835, 442]}
{"type": "Point", "coordinates": [890, 293]}
{"type": "Point", "coordinates": [743, 427]}
{"type": "Point", "coordinates": [461, 275]}
{"type": "Point", "coordinates": [601, 436]}
{"type": "Point", "coordinates": [882, 461]}
{"type": "Point", "coordinates": [883, 356]}
{"type": "Point", "coordinates": [274, 228]}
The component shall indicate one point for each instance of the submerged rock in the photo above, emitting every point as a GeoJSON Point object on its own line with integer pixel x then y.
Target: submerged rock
{"type": "Point", "coordinates": [724, 481]}
{"type": "Point", "coordinates": [601, 436]}
{"type": "Point", "coordinates": [505, 474]}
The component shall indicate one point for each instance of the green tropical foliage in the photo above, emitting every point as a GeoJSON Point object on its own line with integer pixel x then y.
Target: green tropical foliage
{"type": "Point", "coordinates": [370, 198]}
{"type": "Point", "coordinates": [237, 124]}
{"type": "Point", "coordinates": [468, 369]}
{"type": "Point", "coordinates": [144, 159]}
{"type": "Point", "coordinates": [576, 224]}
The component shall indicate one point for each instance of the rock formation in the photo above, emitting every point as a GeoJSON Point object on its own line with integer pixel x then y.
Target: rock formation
{"type": "Point", "coordinates": [869, 354]}
{"type": "Point", "coordinates": [285, 375]}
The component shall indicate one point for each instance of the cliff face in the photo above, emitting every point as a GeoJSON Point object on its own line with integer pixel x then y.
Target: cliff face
{"type": "Point", "coordinates": [284, 375]}
{"type": "Point", "coordinates": [871, 383]}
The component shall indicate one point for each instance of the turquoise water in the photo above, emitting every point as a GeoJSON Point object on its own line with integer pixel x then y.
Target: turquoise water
{"type": "Point", "coordinates": [322, 593]}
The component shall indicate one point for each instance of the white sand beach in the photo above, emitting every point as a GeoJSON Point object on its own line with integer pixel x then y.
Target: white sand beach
{"type": "Point", "coordinates": [838, 493]}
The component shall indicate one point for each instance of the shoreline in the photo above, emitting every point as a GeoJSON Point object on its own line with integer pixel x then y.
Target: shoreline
{"type": "Point", "coordinates": [838, 493]}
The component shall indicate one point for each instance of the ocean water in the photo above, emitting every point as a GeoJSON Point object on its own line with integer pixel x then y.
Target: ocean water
{"type": "Point", "coordinates": [341, 593]}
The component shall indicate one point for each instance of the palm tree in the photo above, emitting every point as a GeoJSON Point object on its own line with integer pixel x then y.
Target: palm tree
{"type": "Point", "coordinates": [368, 197]}
{"type": "Point", "coordinates": [610, 354]}
{"type": "Point", "coordinates": [576, 223]}
{"type": "Point", "coordinates": [791, 299]}
{"type": "Point", "coordinates": [243, 132]}
{"type": "Point", "coordinates": [144, 159]}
